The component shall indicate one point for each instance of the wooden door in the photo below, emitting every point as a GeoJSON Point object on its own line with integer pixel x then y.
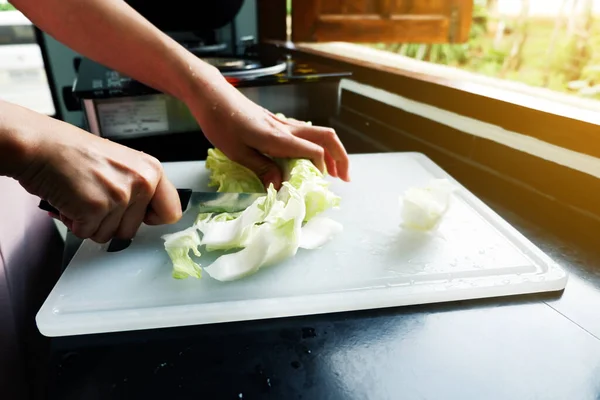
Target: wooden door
{"type": "Point", "coordinates": [381, 21]}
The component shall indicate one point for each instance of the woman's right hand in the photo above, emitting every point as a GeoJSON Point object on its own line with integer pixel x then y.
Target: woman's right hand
{"type": "Point", "coordinates": [102, 189]}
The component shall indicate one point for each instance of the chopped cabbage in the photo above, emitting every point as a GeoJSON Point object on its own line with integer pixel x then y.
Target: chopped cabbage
{"type": "Point", "coordinates": [309, 181]}
{"type": "Point", "coordinates": [269, 231]}
{"type": "Point", "coordinates": [423, 207]}
{"type": "Point", "coordinates": [318, 231]}
{"type": "Point", "coordinates": [230, 176]}
{"type": "Point", "coordinates": [178, 246]}
{"type": "Point", "coordinates": [225, 231]}
{"type": "Point", "coordinates": [275, 240]}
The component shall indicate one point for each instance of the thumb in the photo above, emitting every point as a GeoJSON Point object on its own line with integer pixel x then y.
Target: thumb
{"type": "Point", "coordinates": [165, 206]}
{"type": "Point", "coordinates": [265, 168]}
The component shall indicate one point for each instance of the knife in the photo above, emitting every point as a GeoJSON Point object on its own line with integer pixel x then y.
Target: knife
{"type": "Point", "coordinates": [206, 202]}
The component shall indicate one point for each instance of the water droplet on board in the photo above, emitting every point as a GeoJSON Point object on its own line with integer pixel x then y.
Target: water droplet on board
{"type": "Point", "coordinates": [308, 333]}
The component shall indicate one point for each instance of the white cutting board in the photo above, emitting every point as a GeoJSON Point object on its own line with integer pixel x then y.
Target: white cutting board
{"type": "Point", "coordinates": [373, 263]}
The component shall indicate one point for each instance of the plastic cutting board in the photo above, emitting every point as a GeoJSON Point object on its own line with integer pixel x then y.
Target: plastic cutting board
{"type": "Point", "coordinates": [373, 263]}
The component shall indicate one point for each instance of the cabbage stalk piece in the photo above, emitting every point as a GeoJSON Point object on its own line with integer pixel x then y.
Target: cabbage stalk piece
{"type": "Point", "coordinates": [273, 241]}
{"type": "Point", "coordinates": [304, 176]}
{"type": "Point", "coordinates": [226, 231]}
{"type": "Point", "coordinates": [318, 231]}
{"type": "Point", "coordinates": [178, 246]}
{"type": "Point", "coordinates": [423, 207]}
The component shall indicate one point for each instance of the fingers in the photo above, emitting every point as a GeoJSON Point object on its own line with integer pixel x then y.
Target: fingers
{"type": "Point", "coordinates": [262, 166]}
{"type": "Point", "coordinates": [136, 211]}
{"type": "Point", "coordinates": [132, 219]}
{"type": "Point", "coordinates": [67, 221]}
{"type": "Point", "coordinates": [109, 226]}
{"type": "Point", "coordinates": [84, 228]}
{"type": "Point", "coordinates": [165, 204]}
{"type": "Point", "coordinates": [99, 220]}
{"type": "Point", "coordinates": [327, 138]}
{"type": "Point", "coordinates": [331, 167]}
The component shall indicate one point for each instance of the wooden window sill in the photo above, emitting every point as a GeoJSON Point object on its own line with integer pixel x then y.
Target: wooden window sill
{"type": "Point", "coordinates": [540, 99]}
{"type": "Point", "coordinates": [561, 120]}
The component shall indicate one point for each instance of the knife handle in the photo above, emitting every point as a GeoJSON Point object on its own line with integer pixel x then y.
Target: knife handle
{"type": "Point", "coordinates": [184, 199]}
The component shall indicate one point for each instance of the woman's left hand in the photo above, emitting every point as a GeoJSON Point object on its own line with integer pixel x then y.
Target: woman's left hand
{"type": "Point", "coordinates": [247, 133]}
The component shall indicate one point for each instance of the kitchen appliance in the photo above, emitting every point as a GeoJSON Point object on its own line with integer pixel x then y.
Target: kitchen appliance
{"type": "Point", "coordinates": [373, 263]}
{"type": "Point", "coordinates": [126, 111]}
{"type": "Point", "coordinates": [118, 107]}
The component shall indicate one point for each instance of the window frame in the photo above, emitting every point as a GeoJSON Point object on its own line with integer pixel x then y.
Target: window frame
{"type": "Point", "coordinates": [562, 125]}
{"type": "Point", "coordinates": [572, 129]}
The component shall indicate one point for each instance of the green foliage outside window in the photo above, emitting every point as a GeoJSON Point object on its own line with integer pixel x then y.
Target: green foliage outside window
{"type": "Point", "coordinates": [562, 53]}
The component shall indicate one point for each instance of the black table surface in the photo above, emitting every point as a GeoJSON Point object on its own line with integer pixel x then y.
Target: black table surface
{"type": "Point", "coordinates": [543, 346]}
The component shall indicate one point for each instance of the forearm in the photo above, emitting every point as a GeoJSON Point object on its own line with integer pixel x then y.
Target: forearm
{"type": "Point", "coordinates": [16, 140]}
{"type": "Point", "coordinates": [114, 34]}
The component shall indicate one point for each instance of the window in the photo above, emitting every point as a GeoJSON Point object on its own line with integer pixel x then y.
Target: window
{"type": "Point", "coordinates": [425, 21]}
{"type": "Point", "coordinates": [549, 49]}
{"type": "Point", "coordinates": [23, 77]}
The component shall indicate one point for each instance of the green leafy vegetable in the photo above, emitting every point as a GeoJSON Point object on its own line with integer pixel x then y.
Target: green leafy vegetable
{"type": "Point", "coordinates": [271, 230]}
{"type": "Point", "coordinates": [230, 176]}
{"type": "Point", "coordinates": [178, 246]}
{"type": "Point", "coordinates": [309, 181]}
{"type": "Point", "coordinates": [225, 231]}
{"type": "Point", "coordinates": [271, 242]}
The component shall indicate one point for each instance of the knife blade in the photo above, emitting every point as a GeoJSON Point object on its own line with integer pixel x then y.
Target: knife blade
{"type": "Point", "coordinates": [220, 202]}
{"type": "Point", "coordinates": [199, 202]}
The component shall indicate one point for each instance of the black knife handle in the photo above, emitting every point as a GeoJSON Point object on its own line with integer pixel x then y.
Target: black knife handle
{"type": "Point", "coordinates": [44, 205]}
{"type": "Point", "coordinates": [184, 199]}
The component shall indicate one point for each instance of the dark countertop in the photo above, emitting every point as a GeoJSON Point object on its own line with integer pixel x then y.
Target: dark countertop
{"type": "Point", "coordinates": [542, 346]}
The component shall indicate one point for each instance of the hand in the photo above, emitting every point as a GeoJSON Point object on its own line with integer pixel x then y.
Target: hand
{"type": "Point", "coordinates": [102, 189]}
{"type": "Point", "coordinates": [247, 134]}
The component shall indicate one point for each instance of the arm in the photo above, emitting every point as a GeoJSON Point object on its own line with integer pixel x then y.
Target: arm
{"type": "Point", "coordinates": [102, 189]}
{"type": "Point", "coordinates": [112, 33]}
{"type": "Point", "coordinates": [13, 144]}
